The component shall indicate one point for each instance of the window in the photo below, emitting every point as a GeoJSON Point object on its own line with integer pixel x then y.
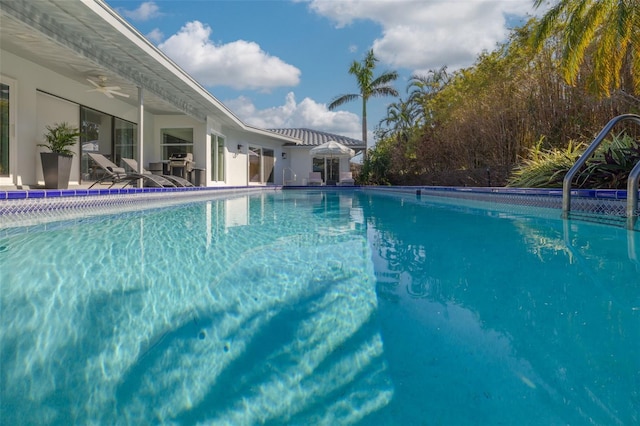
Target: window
{"type": "Point", "coordinates": [176, 141]}
{"type": "Point", "coordinates": [4, 130]}
{"type": "Point", "coordinates": [217, 158]}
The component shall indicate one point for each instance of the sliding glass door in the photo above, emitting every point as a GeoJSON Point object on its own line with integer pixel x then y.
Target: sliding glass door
{"type": "Point", "coordinates": [107, 135]}
{"type": "Point", "coordinates": [5, 135]}
{"type": "Point", "coordinates": [261, 165]}
{"type": "Point", "coordinates": [217, 158]}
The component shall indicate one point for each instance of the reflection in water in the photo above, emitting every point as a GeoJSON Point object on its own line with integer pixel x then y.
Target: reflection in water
{"type": "Point", "coordinates": [184, 315]}
{"type": "Point", "coordinates": [505, 316]}
{"type": "Point", "coordinates": [319, 308]}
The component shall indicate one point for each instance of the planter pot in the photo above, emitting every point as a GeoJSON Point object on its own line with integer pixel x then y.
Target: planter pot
{"type": "Point", "coordinates": [56, 169]}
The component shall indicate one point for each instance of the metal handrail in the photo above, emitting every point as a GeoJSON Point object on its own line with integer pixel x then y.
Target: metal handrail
{"type": "Point", "coordinates": [632, 183]}
{"type": "Point", "coordinates": [632, 197]}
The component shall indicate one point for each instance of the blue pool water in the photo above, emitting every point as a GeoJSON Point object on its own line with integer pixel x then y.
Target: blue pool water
{"type": "Point", "coordinates": [318, 307]}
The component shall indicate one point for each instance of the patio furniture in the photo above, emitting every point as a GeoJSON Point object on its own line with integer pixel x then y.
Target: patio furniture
{"type": "Point", "coordinates": [114, 174]}
{"type": "Point", "coordinates": [315, 179]}
{"type": "Point", "coordinates": [181, 164]}
{"type": "Point", "coordinates": [346, 179]}
{"type": "Point", "coordinates": [175, 180]}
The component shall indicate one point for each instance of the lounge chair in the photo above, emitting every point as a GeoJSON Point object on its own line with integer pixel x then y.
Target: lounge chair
{"type": "Point", "coordinates": [315, 179]}
{"type": "Point", "coordinates": [114, 174]}
{"type": "Point", "coordinates": [346, 179]}
{"type": "Point", "coordinates": [176, 180]}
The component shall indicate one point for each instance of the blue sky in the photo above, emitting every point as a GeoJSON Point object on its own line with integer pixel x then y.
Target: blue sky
{"type": "Point", "coordinates": [279, 63]}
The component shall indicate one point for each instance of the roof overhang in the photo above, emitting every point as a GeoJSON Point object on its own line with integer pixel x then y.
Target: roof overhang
{"type": "Point", "coordinates": [86, 38]}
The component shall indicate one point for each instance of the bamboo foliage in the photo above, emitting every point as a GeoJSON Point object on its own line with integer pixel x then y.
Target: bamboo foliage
{"type": "Point", "coordinates": [490, 115]}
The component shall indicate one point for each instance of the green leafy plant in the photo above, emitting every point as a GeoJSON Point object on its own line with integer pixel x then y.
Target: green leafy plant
{"type": "Point", "coordinates": [611, 164]}
{"type": "Point", "coordinates": [608, 168]}
{"type": "Point", "coordinates": [545, 168]}
{"type": "Point", "coordinates": [60, 137]}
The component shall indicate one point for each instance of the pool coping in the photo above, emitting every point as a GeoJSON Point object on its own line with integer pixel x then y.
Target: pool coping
{"type": "Point", "coordinates": [602, 205]}
{"type": "Point", "coordinates": [22, 194]}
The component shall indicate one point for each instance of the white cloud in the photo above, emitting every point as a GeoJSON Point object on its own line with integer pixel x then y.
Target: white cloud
{"type": "Point", "coordinates": [308, 113]}
{"type": "Point", "coordinates": [155, 35]}
{"type": "Point", "coordinates": [147, 10]}
{"type": "Point", "coordinates": [239, 64]}
{"type": "Point", "coordinates": [428, 34]}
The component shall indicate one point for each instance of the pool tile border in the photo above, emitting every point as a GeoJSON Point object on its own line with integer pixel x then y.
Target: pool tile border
{"type": "Point", "coordinates": [19, 207]}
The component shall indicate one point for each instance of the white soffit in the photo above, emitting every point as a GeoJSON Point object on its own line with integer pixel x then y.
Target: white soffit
{"type": "Point", "coordinates": [85, 38]}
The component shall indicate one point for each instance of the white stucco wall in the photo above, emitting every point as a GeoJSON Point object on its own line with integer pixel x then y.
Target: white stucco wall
{"type": "Point", "coordinates": [45, 97]}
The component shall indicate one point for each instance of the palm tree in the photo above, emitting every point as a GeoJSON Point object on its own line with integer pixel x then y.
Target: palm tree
{"type": "Point", "coordinates": [423, 88]}
{"type": "Point", "coordinates": [400, 120]}
{"type": "Point", "coordinates": [369, 87]}
{"type": "Point", "coordinates": [610, 29]}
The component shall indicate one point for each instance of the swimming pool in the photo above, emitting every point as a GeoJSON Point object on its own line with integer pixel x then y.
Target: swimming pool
{"type": "Point", "coordinates": [320, 307]}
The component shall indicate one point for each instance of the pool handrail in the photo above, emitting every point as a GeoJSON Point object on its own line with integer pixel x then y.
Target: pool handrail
{"type": "Point", "coordinates": [632, 183]}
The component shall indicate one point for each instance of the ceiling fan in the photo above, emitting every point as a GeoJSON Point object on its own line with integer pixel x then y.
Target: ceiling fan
{"type": "Point", "coordinates": [108, 91]}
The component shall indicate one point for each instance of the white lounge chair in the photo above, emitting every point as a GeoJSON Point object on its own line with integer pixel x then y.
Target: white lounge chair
{"type": "Point", "coordinates": [132, 164]}
{"type": "Point", "coordinates": [346, 179]}
{"type": "Point", "coordinates": [114, 174]}
{"type": "Point", "coordinates": [315, 179]}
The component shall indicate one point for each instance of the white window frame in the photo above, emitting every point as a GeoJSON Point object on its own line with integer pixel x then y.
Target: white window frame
{"type": "Point", "coordinates": [11, 178]}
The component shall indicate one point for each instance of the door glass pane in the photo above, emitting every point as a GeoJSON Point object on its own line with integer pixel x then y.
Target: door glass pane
{"type": "Point", "coordinates": [217, 158]}
{"type": "Point", "coordinates": [126, 136]}
{"type": "Point", "coordinates": [96, 136]}
{"type": "Point", "coordinates": [269, 163]}
{"type": "Point", "coordinates": [318, 166]}
{"type": "Point", "coordinates": [220, 159]}
{"type": "Point", "coordinates": [4, 130]}
{"type": "Point", "coordinates": [254, 164]}
{"type": "Point", "coordinates": [333, 168]}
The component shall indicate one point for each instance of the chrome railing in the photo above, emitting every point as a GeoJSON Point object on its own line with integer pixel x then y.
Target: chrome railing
{"type": "Point", "coordinates": [632, 184]}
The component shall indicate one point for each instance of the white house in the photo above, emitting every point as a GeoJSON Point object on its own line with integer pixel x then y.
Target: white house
{"type": "Point", "coordinates": [78, 61]}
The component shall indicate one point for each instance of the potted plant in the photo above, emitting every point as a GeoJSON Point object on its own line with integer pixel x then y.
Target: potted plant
{"type": "Point", "coordinates": [56, 165]}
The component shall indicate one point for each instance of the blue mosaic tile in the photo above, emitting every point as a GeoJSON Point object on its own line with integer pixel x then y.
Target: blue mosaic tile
{"type": "Point", "coordinates": [36, 193]}
{"type": "Point", "coordinates": [53, 193]}
{"type": "Point", "coordinates": [3, 195]}
{"type": "Point", "coordinates": [16, 195]}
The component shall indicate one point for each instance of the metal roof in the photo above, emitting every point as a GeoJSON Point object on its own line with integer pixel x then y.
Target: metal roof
{"type": "Point", "coordinates": [315, 137]}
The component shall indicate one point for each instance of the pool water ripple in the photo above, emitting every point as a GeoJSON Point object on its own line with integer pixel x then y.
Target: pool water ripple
{"type": "Point", "coordinates": [319, 308]}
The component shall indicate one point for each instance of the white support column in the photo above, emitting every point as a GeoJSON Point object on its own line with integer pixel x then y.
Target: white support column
{"type": "Point", "coordinates": [140, 133]}
{"type": "Point", "coordinates": [140, 129]}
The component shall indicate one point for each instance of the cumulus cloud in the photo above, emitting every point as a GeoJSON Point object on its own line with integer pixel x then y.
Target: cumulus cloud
{"type": "Point", "coordinates": [239, 64]}
{"type": "Point", "coordinates": [307, 113]}
{"type": "Point", "coordinates": [155, 35]}
{"type": "Point", "coordinates": [147, 10]}
{"type": "Point", "coordinates": [428, 34]}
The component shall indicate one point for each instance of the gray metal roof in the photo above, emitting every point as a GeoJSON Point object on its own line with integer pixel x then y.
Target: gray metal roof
{"type": "Point", "coordinates": [315, 137]}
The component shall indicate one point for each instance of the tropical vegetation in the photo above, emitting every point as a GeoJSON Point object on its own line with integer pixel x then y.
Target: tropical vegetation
{"type": "Point", "coordinates": [369, 86]}
{"type": "Point", "coordinates": [60, 137]}
{"type": "Point", "coordinates": [542, 93]}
